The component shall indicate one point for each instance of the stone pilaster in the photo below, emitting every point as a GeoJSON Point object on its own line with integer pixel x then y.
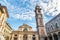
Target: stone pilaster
{"type": "Point", "coordinates": [37, 37]}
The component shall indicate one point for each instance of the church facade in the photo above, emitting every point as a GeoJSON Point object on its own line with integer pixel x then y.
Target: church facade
{"type": "Point", "coordinates": [24, 32]}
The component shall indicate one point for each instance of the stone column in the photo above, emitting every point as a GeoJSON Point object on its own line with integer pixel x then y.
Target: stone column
{"type": "Point", "coordinates": [21, 37]}
{"type": "Point", "coordinates": [37, 37]}
{"type": "Point", "coordinates": [9, 37]}
{"type": "Point", "coordinates": [18, 37]}
{"type": "Point", "coordinates": [27, 37]}
{"type": "Point", "coordinates": [12, 37]}
{"type": "Point", "coordinates": [52, 37]}
{"type": "Point", "coordinates": [31, 37]}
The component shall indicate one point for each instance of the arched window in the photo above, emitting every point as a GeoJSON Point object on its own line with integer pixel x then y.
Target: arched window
{"type": "Point", "coordinates": [56, 25]}
{"type": "Point", "coordinates": [15, 35]}
{"type": "Point", "coordinates": [25, 29]}
{"type": "Point", "coordinates": [48, 30]}
{"type": "Point", "coordinates": [51, 27]}
{"type": "Point", "coordinates": [15, 38]}
{"type": "Point", "coordinates": [33, 37]}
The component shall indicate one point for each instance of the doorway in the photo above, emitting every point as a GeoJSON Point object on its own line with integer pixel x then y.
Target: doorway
{"type": "Point", "coordinates": [25, 37]}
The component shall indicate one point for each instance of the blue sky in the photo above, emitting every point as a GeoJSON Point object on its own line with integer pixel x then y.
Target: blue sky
{"type": "Point", "coordinates": [22, 11]}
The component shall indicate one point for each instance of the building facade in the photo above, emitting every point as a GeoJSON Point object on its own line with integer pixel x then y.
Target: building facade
{"type": "Point", "coordinates": [53, 28]}
{"type": "Point", "coordinates": [3, 18]}
{"type": "Point", "coordinates": [24, 32]}
{"type": "Point", "coordinates": [7, 32]}
{"type": "Point", "coordinates": [39, 22]}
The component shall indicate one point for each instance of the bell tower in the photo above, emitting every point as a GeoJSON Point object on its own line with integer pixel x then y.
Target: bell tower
{"type": "Point", "coordinates": [39, 22]}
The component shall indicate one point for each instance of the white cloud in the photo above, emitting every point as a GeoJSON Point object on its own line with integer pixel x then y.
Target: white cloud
{"type": "Point", "coordinates": [25, 16]}
{"type": "Point", "coordinates": [34, 29]}
{"type": "Point", "coordinates": [50, 7]}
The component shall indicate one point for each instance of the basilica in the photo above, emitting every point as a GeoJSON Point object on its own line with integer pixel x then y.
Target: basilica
{"type": "Point", "coordinates": [24, 32]}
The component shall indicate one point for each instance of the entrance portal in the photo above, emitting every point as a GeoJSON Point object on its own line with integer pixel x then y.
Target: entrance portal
{"type": "Point", "coordinates": [25, 37]}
